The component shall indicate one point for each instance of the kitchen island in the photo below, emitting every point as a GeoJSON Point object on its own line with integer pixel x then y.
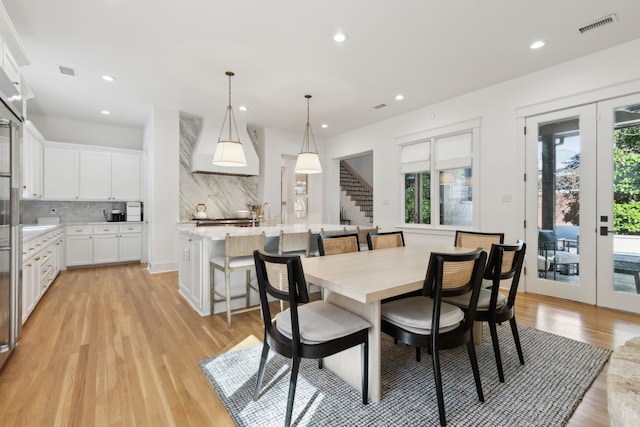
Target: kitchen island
{"type": "Point", "coordinates": [198, 244]}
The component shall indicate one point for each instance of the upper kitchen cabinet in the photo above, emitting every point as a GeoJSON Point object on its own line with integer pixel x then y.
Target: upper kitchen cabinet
{"type": "Point", "coordinates": [32, 163]}
{"type": "Point", "coordinates": [12, 53]}
{"type": "Point", "coordinates": [10, 67]}
{"type": "Point", "coordinates": [96, 174]}
{"type": "Point", "coordinates": [61, 173]}
{"type": "Point", "coordinates": [110, 176]}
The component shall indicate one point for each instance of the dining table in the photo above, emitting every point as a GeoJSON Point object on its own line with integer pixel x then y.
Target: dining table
{"type": "Point", "coordinates": [358, 282]}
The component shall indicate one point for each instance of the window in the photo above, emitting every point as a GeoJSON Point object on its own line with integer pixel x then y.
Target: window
{"type": "Point", "coordinates": [437, 176]}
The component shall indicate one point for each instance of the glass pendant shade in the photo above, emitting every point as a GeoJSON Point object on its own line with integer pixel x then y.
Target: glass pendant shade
{"type": "Point", "coordinates": [229, 152]}
{"type": "Point", "coordinates": [308, 160]}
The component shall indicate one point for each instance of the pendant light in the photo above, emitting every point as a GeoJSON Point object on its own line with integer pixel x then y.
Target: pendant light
{"type": "Point", "coordinates": [308, 161]}
{"type": "Point", "coordinates": [229, 151]}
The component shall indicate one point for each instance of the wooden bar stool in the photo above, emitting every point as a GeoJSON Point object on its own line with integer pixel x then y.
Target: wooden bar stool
{"type": "Point", "coordinates": [238, 256]}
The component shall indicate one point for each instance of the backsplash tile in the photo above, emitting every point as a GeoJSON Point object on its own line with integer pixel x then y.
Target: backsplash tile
{"type": "Point", "coordinates": [69, 212]}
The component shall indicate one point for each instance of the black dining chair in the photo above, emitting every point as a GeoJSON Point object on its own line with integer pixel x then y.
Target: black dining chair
{"type": "Point", "coordinates": [477, 239]}
{"type": "Point", "coordinates": [505, 263]}
{"type": "Point", "coordinates": [428, 321]}
{"type": "Point", "coordinates": [387, 239]}
{"type": "Point", "coordinates": [310, 330]}
{"type": "Point", "coordinates": [338, 244]}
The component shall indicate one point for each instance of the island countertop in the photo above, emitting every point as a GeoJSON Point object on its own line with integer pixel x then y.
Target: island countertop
{"type": "Point", "coordinates": [219, 233]}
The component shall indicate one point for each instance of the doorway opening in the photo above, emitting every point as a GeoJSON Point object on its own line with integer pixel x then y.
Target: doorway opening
{"type": "Point", "coordinates": [356, 190]}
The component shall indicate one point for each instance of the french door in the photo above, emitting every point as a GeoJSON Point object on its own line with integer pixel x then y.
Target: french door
{"type": "Point", "coordinates": [618, 215]}
{"type": "Point", "coordinates": [583, 203]}
{"type": "Point", "coordinates": [560, 191]}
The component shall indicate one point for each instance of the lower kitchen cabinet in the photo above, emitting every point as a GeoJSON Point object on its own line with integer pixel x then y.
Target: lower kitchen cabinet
{"type": "Point", "coordinates": [190, 276]}
{"type": "Point", "coordinates": [130, 242]}
{"type": "Point", "coordinates": [103, 244]}
{"type": "Point", "coordinates": [42, 260]}
{"type": "Point", "coordinates": [79, 245]}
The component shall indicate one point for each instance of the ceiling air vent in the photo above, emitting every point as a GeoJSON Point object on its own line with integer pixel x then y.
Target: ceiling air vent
{"type": "Point", "coordinates": [67, 71]}
{"type": "Point", "coordinates": [599, 23]}
{"type": "Point", "coordinates": [379, 106]}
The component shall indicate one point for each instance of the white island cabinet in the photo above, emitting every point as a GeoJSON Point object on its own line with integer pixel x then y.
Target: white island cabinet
{"type": "Point", "coordinates": [190, 267]}
{"type": "Point", "coordinates": [198, 244]}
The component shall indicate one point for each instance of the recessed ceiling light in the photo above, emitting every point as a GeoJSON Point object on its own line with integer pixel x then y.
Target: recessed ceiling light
{"type": "Point", "coordinates": [324, 125]}
{"type": "Point", "coordinates": [399, 97]}
{"type": "Point", "coordinates": [108, 78]}
{"type": "Point", "coordinates": [105, 112]}
{"type": "Point", "coordinates": [537, 44]}
{"type": "Point", "coordinates": [340, 37]}
{"type": "Point", "coordinates": [243, 108]}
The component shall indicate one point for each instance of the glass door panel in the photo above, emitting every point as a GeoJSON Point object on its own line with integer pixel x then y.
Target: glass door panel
{"type": "Point", "coordinates": [560, 149]}
{"type": "Point", "coordinates": [618, 272]}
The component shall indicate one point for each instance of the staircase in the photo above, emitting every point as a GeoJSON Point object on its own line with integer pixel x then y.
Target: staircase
{"type": "Point", "coordinates": [357, 188]}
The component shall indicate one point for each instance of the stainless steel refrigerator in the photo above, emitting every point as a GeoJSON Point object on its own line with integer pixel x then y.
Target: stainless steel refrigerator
{"type": "Point", "coordinates": [10, 241]}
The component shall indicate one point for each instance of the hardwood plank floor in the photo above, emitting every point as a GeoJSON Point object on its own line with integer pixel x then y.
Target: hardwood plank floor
{"type": "Point", "coordinates": [118, 346]}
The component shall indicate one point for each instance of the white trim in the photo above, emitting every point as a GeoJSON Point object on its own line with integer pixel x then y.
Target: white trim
{"type": "Point", "coordinates": [630, 87]}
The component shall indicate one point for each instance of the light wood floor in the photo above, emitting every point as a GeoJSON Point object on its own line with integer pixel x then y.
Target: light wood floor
{"type": "Point", "coordinates": [117, 346]}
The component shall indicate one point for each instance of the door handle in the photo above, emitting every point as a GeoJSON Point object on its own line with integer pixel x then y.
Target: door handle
{"type": "Point", "coordinates": [604, 230]}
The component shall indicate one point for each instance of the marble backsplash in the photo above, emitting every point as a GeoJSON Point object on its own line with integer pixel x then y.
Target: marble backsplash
{"type": "Point", "coordinates": [69, 212]}
{"type": "Point", "coordinates": [223, 195]}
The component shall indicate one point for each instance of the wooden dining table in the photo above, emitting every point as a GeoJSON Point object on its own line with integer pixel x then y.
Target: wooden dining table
{"type": "Point", "coordinates": [358, 282]}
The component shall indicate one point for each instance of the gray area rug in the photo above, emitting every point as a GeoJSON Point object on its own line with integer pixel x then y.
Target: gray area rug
{"type": "Point", "coordinates": [543, 392]}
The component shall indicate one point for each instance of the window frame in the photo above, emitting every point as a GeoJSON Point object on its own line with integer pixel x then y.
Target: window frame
{"type": "Point", "coordinates": [431, 137]}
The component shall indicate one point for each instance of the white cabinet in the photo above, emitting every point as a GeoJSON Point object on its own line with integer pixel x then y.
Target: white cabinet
{"type": "Point", "coordinates": [117, 243]}
{"type": "Point", "coordinates": [105, 244]}
{"type": "Point", "coordinates": [129, 242]}
{"type": "Point", "coordinates": [41, 263]}
{"type": "Point", "coordinates": [190, 275]}
{"type": "Point", "coordinates": [32, 163]}
{"type": "Point", "coordinates": [95, 175]}
{"type": "Point", "coordinates": [79, 245]}
{"type": "Point", "coordinates": [126, 176]}
{"type": "Point", "coordinates": [61, 173]}
{"type": "Point", "coordinates": [10, 66]}
{"type": "Point", "coordinates": [92, 174]}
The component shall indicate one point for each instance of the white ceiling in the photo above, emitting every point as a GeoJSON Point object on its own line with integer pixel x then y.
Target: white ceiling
{"type": "Point", "coordinates": [174, 54]}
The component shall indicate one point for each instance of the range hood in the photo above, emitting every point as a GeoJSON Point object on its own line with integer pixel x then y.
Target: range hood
{"type": "Point", "coordinates": [205, 146]}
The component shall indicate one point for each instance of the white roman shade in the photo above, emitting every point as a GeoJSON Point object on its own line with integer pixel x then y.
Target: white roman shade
{"type": "Point", "coordinates": [454, 151]}
{"type": "Point", "coordinates": [415, 157]}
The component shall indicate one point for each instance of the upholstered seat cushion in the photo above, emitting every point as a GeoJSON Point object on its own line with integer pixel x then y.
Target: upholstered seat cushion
{"type": "Point", "coordinates": [562, 257]}
{"type": "Point", "coordinates": [321, 321]}
{"type": "Point", "coordinates": [484, 299]}
{"type": "Point", "coordinates": [543, 263]}
{"type": "Point", "coordinates": [241, 261]}
{"type": "Point", "coordinates": [414, 314]}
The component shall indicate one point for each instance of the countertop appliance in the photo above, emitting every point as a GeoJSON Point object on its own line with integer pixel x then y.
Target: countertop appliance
{"type": "Point", "coordinates": [10, 260]}
{"type": "Point", "coordinates": [134, 211]}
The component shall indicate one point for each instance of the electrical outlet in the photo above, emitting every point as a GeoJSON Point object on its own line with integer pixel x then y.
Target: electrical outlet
{"type": "Point", "coordinates": [53, 211]}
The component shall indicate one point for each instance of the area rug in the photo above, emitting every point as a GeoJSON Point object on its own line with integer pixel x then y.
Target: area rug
{"type": "Point", "coordinates": [543, 392]}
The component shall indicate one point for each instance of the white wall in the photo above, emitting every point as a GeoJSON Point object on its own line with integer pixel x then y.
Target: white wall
{"type": "Point", "coordinates": [501, 163]}
{"type": "Point", "coordinates": [363, 165]}
{"type": "Point", "coordinates": [89, 133]}
{"type": "Point", "coordinates": [161, 210]}
{"type": "Point", "coordinates": [276, 144]}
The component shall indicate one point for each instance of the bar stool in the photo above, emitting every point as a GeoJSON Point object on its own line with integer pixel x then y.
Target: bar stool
{"type": "Point", "coordinates": [238, 256]}
{"type": "Point", "coordinates": [294, 244]}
